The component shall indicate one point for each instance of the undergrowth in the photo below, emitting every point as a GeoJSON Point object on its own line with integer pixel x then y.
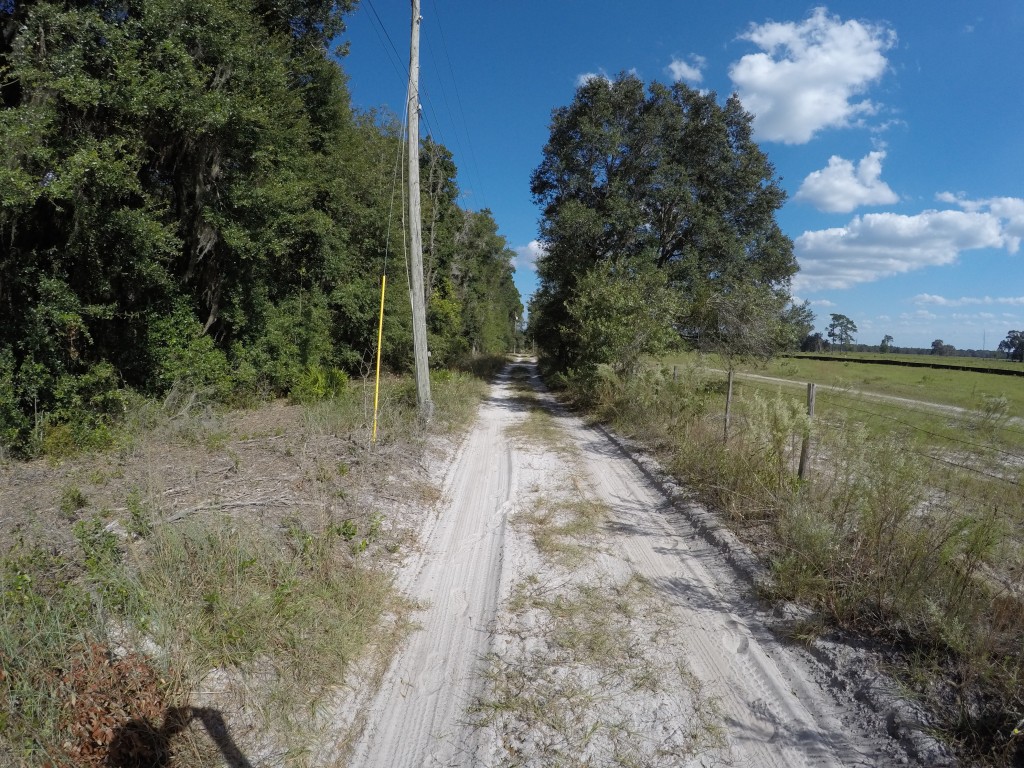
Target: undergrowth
{"type": "Point", "coordinates": [111, 621]}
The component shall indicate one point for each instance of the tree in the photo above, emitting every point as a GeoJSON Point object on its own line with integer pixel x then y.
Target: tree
{"type": "Point", "coordinates": [209, 209]}
{"type": "Point", "coordinates": [622, 311]}
{"type": "Point", "coordinates": [659, 176]}
{"type": "Point", "coordinates": [841, 330]}
{"type": "Point", "coordinates": [814, 342]}
{"type": "Point", "coordinates": [797, 323]}
{"type": "Point", "coordinates": [886, 344]}
{"type": "Point", "coordinates": [1013, 346]}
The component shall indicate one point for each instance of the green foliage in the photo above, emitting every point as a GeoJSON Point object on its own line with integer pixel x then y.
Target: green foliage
{"type": "Point", "coordinates": [71, 500]}
{"type": "Point", "coordinates": [140, 521]}
{"type": "Point", "coordinates": [620, 313]}
{"type": "Point", "coordinates": [44, 615]}
{"type": "Point", "coordinates": [185, 356]}
{"type": "Point", "coordinates": [876, 538]}
{"type": "Point", "coordinates": [317, 383]}
{"type": "Point", "coordinates": [226, 596]}
{"type": "Point", "coordinates": [662, 176]}
{"type": "Point", "coordinates": [841, 330]}
{"type": "Point", "coordinates": [14, 422]}
{"type": "Point", "coordinates": [1013, 346]}
{"type": "Point", "coordinates": [746, 322]}
{"type": "Point", "coordinates": [207, 214]}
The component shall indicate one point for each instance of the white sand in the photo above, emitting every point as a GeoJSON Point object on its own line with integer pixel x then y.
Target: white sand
{"type": "Point", "coordinates": [732, 675]}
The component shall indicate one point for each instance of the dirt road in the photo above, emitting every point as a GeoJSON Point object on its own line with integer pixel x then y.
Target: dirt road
{"type": "Point", "coordinates": [572, 616]}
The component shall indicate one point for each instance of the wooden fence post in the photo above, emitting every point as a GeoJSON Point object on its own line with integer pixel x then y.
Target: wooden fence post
{"type": "Point", "coordinates": [728, 406]}
{"type": "Point", "coordinates": [805, 449]}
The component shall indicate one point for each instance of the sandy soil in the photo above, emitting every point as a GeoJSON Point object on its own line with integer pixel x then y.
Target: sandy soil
{"type": "Point", "coordinates": [552, 633]}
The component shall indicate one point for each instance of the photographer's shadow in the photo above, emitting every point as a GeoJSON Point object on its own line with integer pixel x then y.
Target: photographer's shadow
{"type": "Point", "coordinates": [142, 744]}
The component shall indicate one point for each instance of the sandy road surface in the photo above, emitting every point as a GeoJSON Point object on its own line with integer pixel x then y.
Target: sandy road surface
{"type": "Point", "coordinates": [767, 710]}
{"type": "Point", "coordinates": [416, 717]}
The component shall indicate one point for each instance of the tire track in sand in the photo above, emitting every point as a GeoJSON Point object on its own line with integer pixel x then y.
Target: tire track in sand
{"type": "Point", "coordinates": [417, 717]}
{"type": "Point", "coordinates": [773, 714]}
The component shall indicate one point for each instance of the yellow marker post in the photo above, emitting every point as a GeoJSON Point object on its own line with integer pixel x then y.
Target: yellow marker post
{"type": "Point", "coordinates": [380, 336]}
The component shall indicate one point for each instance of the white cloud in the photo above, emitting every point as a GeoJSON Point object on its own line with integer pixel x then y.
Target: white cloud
{"type": "Point", "coordinates": [527, 255]}
{"type": "Point", "coordinates": [878, 245]}
{"type": "Point", "coordinates": [921, 314]}
{"type": "Point", "coordinates": [841, 187]}
{"type": "Point", "coordinates": [987, 301]}
{"type": "Point", "coordinates": [822, 303]}
{"type": "Point", "coordinates": [692, 70]}
{"type": "Point", "coordinates": [968, 317]}
{"type": "Point", "coordinates": [808, 75]}
{"type": "Point", "coordinates": [586, 77]}
{"type": "Point", "coordinates": [1008, 209]}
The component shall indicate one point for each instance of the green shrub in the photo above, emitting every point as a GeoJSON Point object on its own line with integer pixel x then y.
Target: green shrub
{"type": "Point", "coordinates": [71, 500]}
{"type": "Point", "coordinates": [187, 357]}
{"type": "Point", "coordinates": [15, 425]}
{"type": "Point", "coordinates": [319, 383]}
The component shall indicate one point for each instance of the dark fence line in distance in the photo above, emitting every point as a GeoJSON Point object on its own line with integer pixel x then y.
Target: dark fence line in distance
{"type": "Point", "coordinates": [909, 364]}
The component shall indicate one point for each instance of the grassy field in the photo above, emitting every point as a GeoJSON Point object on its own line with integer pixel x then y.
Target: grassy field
{"type": "Point", "coordinates": [963, 389]}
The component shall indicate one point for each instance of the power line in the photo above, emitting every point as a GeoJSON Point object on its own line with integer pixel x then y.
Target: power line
{"type": "Point", "coordinates": [458, 99]}
{"type": "Point", "coordinates": [396, 58]}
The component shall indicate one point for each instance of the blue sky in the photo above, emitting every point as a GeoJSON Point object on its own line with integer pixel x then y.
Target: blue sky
{"type": "Point", "coordinates": [897, 129]}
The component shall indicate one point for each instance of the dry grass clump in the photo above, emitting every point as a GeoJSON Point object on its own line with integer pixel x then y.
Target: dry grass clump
{"type": "Point", "coordinates": [562, 530]}
{"type": "Point", "coordinates": [540, 427]}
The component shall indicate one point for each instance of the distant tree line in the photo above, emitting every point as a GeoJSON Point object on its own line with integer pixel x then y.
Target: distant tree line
{"type": "Point", "coordinates": [840, 340]}
{"type": "Point", "coordinates": [187, 197]}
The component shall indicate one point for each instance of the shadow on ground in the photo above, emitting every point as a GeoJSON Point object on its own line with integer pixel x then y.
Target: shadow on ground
{"type": "Point", "coordinates": [143, 744]}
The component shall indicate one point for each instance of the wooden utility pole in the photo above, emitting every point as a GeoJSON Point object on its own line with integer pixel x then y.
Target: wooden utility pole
{"type": "Point", "coordinates": [417, 294]}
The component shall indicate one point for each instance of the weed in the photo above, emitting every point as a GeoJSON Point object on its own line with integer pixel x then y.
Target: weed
{"type": "Point", "coordinates": [227, 596]}
{"type": "Point", "coordinates": [112, 586]}
{"type": "Point", "coordinates": [991, 417]}
{"type": "Point", "coordinates": [540, 426]}
{"type": "Point", "coordinates": [579, 684]}
{"type": "Point", "coordinates": [559, 529]}
{"type": "Point", "coordinates": [884, 535]}
{"type": "Point", "coordinates": [54, 706]}
{"type": "Point", "coordinates": [72, 500]}
{"type": "Point", "coordinates": [216, 440]}
{"type": "Point", "coordinates": [317, 382]}
{"type": "Point", "coordinates": [140, 520]}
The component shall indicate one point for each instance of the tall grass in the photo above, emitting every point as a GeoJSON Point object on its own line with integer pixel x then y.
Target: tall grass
{"type": "Point", "coordinates": [45, 613]}
{"type": "Point", "coordinates": [877, 539]}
